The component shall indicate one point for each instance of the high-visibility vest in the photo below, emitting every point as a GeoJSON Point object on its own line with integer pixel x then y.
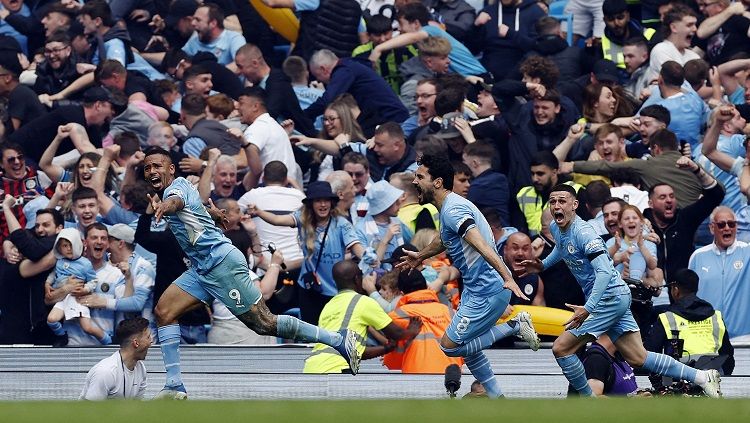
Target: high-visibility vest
{"type": "Point", "coordinates": [613, 52]}
{"type": "Point", "coordinates": [421, 354]}
{"type": "Point", "coordinates": [409, 213]}
{"type": "Point", "coordinates": [701, 337]}
{"type": "Point", "coordinates": [531, 205]}
{"type": "Point", "coordinates": [388, 65]}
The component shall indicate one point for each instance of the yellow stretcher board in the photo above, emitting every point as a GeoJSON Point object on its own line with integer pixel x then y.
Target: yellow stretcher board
{"type": "Point", "coordinates": [547, 320]}
{"type": "Point", "coordinates": [282, 21]}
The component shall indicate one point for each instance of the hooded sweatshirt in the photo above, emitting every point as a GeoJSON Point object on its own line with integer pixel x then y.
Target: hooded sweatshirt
{"type": "Point", "coordinates": [502, 54]}
{"type": "Point", "coordinates": [78, 266]}
{"type": "Point", "coordinates": [693, 309]}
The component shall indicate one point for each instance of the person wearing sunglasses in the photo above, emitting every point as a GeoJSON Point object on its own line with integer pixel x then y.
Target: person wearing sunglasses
{"type": "Point", "coordinates": [722, 267]}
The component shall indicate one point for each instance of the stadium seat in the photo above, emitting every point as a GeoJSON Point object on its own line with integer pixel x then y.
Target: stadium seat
{"type": "Point", "coordinates": [557, 11]}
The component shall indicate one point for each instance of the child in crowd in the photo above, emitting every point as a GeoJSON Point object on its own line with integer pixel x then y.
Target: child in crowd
{"type": "Point", "coordinates": [68, 250]}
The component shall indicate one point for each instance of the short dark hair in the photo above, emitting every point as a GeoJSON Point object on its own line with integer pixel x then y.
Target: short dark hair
{"type": "Point", "coordinates": [564, 188]}
{"type": "Point", "coordinates": [59, 36]}
{"type": "Point", "coordinates": [128, 142]}
{"type": "Point", "coordinates": [195, 70]}
{"type": "Point", "coordinates": [546, 25]}
{"type": "Point", "coordinates": [543, 68]}
{"type": "Point", "coordinates": [98, 226]}
{"type": "Point", "coordinates": [392, 129]}
{"type": "Point", "coordinates": [414, 12]}
{"type": "Point", "coordinates": [135, 195]}
{"type": "Point", "coordinates": [449, 100]}
{"type": "Point", "coordinates": [624, 176]}
{"type": "Point", "coordinates": [98, 9]}
{"type": "Point", "coordinates": [596, 193]}
{"type": "Point", "coordinates": [665, 139]}
{"type": "Point", "coordinates": [551, 95]}
{"type": "Point", "coordinates": [83, 193]}
{"type": "Point", "coordinates": [611, 200]}
{"type": "Point", "coordinates": [379, 24]}
{"type": "Point", "coordinates": [637, 41]}
{"type": "Point", "coordinates": [544, 158]}
{"type": "Point", "coordinates": [481, 149]}
{"type": "Point", "coordinates": [461, 167]}
{"type": "Point", "coordinates": [295, 68]}
{"type": "Point", "coordinates": [438, 166]}
{"type": "Point", "coordinates": [257, 93]}
{"type": "Point", "coordinates": [672, 73]}
{"type": "Point", "coordinates": [411, 281]}
{"type": "Point", "coordinates": [356, 158]}
{"type": "Point", "coordinates": [275, 172]}
{"type": "Point", "coordinates": [492, 216]}
{"type": "Point", "coordinates": [193, 105]}
{"type": "Point", "coordinates": [129, 328]}
{"type": "Point", "coordinates": [154, 150]}
{"type": "Point", "coordinates": [5, 146]}
{"type": "Point", "coordinates": [696, 72]}
{"type": "Point", "coordinates": [658, 112]}
{"type": "Point", "coordinates": [173, 57]}
{"type": "Point", "coordinates": [652, 189]}
{"type": "Point", "coordinates": [57, 217]}
{"type": "Point", "coordinates": [109, 68]}
{"type": "Point", "coordinates": [686, 279]}
{"type": "Point", "coordinates": [215, 13]}
{"type": "Point", "coordinates": [675, 14]}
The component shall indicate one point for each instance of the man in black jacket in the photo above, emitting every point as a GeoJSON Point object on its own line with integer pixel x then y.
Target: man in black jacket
{"type": "Point", "coordinates": [676, 226]}
{"type": "Point", "coordinates": [282, 102]}
{"type": "Point", "coordinates": [23, 318]}
{"type": "Point", "coordinates": [696, 323]}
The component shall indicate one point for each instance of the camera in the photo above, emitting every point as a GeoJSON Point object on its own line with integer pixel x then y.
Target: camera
{"type": "Point", "coordinates": [311, 281]}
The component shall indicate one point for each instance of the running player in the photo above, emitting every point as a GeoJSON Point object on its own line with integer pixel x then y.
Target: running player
{"type": "Point", "coordinates": [468, 238]}
{"type": "Point", "coordinates": [607, 308]}
{"type": "Point", "coordinates": [217, 270]}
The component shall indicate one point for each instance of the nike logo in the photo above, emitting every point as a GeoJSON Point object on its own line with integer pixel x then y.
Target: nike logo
{"type": "Point", "coordinates": [705, 269]}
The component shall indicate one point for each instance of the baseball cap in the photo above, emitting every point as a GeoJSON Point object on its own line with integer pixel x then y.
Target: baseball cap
{"type": "Point", "coordinates": [447, 130]}
{"type": "Point", "coordinates": [606, 71]}
{"type": "Point", "coordinates": [382, 195]}
{"type": "Point", "coordinates": [101, 94]}
{"type": "Point", "coordinates": [614, 7]}
{"type": "Point", "coordinates": [398, 253]}
{"type": "Point", "coordinates": [122, 232]}
{"type": "Point", "coordinates": [179, 9]}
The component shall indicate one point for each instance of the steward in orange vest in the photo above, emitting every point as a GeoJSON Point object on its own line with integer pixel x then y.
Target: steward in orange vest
{"type": "Point", "coordinates": [421, 354]}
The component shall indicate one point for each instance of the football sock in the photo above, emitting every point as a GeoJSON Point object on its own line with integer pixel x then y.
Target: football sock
{"type": "Point", "coordinates": [575, 373]}
{"type": "Point", "coordinates": [479, 366]}
{"type": "Point", "coordinates": [292, 328]}
{"type": "Point", "coordinates": [485, 340]}
{"type": "Point", "coordinates": [668, 366]}
{"type": "Point", "coordinates": [169, 340]}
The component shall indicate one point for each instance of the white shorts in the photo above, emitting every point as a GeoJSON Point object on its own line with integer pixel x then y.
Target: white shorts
{"type": "Point", "coordinates": [587, 17]}
{"type": "Point", "coordinates": [72, 308]}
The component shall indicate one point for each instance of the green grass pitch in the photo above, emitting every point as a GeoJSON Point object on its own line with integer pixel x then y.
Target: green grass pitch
{"type": "Point", "coordinates": [604, 410]}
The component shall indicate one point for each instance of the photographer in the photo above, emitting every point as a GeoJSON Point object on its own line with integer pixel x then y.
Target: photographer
{"type": "Point", "coordinates": [691, 322]}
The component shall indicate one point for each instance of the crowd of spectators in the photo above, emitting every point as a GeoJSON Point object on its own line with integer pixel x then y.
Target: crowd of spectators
{"type": "Point", "coordinates": [311, 149]}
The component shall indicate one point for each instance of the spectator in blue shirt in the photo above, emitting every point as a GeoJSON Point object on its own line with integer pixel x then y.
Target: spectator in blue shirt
{"type": "Point", "coordinates": [413, 20]}
{"type": "Point", "coordinates": [688, 111]}
{"type": "Point", "coordinates": [722, 267]}
{"type": "Point", "coordinates": [210, 35]}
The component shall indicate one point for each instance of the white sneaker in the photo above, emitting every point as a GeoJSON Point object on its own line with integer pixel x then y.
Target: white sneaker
{"type": "Point", "coordinates": [171, 394]}
{"type": "Point", "coordinates": [712, 387]}
{"type": "Point", "coordinates": [348, 349]}
{"type": "Point", "coordinates": [526, 330]}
